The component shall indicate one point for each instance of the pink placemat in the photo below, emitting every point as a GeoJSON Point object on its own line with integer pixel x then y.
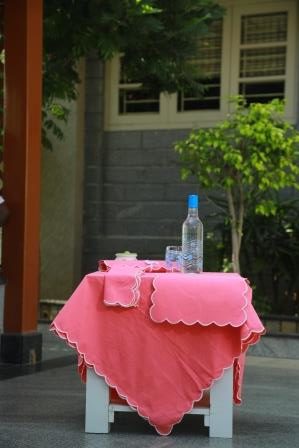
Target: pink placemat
{"type": "Point", "coordinates": [204, 298]}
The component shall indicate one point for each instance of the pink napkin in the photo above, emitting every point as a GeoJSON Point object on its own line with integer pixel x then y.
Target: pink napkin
{"type": "Point", "coordinates": [107, 265]}
{"type": "Point", "coordinates": [155, 266]}
{"type": "Point", "coordinates": [122, 287]}
{"type": "Point", "coordinates": [145, 265]}
{"type": "Point", "coordinates": [206, 298]}
{"type": "Point", "coordinates": [122, 280]}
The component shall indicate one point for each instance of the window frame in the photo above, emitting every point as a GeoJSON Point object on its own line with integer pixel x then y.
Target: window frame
{"type": "Point", "coordinates": [290, 75]}
{"type": "Point", "coordinates": [169, 117]}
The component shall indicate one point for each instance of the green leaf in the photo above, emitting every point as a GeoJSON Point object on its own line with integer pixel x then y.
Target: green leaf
{"type": "Point", "coordinates": [250, 155]}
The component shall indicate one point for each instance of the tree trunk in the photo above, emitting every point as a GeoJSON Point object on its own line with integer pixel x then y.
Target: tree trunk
{"type": "Point", "coordinates": [235, 248]}
{"type": "Point", "coordinates": [236, 212]}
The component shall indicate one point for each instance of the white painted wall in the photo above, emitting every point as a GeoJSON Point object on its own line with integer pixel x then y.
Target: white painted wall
{"type": "Point", "coordinates": [61, 208]}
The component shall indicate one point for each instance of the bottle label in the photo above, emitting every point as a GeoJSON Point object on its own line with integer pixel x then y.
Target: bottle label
{"type": "Point", "coordinates": [192, 260]}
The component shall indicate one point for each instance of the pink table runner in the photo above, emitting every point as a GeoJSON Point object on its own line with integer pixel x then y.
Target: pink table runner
{"type": "Point", "coordinates": [121, 327]}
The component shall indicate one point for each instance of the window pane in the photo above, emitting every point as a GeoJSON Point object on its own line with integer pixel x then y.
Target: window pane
{"type": "Point", "coordinates": [209, 50]}
{"type": "Point", "coordinates": [209, 67]}
{"type": "Point", "coordinates": [263, 62]}
{"type": "Point", "coordinates": [263, 55]}
{"type": "Point", "coordinates": [138, 100]}
{"type": "Point", "coordinates": [123, 77]}
{"type": "Point", "coordinates": [262, 92]}
{"type": "Point", "coordinates": [263, 28]}
{"type": "Point", "coordinates": [209, 101]}
{"type": "Point", "coordinates": [133, 98]}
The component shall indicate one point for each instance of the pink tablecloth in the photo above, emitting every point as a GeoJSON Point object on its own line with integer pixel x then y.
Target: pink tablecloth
{"type": "Point", "coordinates": [160, 355]}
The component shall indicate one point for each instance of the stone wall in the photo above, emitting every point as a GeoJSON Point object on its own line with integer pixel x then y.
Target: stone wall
{"type": "Point", "coordinates": [141, 203]}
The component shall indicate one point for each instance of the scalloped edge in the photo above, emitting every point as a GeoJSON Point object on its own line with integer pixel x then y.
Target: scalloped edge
{"type": "Point", "coordinates": [204, 324]}
{"type": "Point", "coordinates": [84, 363]}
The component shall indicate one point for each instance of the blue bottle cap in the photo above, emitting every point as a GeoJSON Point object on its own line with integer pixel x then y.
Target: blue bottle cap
{"type": "Point", "coordinates": [193, 201]}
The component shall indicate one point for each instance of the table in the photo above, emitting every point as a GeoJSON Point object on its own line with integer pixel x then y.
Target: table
{"type": "Point", "coordinates": [161, 340]}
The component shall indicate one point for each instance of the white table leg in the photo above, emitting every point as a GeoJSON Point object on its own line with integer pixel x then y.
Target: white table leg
{"type": "Point", "coordinates": [97, 404]}
{"type": "Point", "coordinates": [221, 406]}
{"type": "Point", "coordinates": [219, 419]}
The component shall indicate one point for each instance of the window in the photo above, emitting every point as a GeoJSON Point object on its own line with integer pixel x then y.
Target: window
{"type": "Point", "coordinates": [210, 65]}
{"type": "Point", "coordinates": [252, 51]}
{"type": "Point", "coordinates": [132, 97]}
{"type": "Point", "coordinates": [263, 51]}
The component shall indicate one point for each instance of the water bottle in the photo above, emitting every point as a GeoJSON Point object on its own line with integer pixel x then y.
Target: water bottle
{"type": "Point", "coordinates": [192, 238]}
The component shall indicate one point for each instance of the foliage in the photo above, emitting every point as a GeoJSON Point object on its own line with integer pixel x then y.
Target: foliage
{"type": "Point", "coordinates": [158, 38]}
{"type": "Point", "coordinates": [270, 254]}
{"type": "Point", "coordinates": [248, 156]}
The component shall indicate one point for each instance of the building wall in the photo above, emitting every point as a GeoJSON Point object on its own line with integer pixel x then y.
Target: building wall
{"type": "Point", "coordinates": [134, 198]}
{"type": "Point", "coordinates": [61, 208]}
{"type": "Point", "coordinates": [143, 201]}
{"type": "Point", "coordinates": [144, 195]}
{"type": "Point", "coordinates": [93, 163]}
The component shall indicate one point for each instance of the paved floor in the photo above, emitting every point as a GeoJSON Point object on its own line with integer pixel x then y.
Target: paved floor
{"type": "Point", "coordinates": [45, 408]}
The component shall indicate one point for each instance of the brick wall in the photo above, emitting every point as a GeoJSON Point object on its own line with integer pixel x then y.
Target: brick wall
{"type": "Point", "coordinates": [134, 197]}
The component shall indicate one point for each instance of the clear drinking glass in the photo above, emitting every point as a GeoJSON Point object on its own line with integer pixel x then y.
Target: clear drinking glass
{"type": "Point", "coordinates": [173, 258]}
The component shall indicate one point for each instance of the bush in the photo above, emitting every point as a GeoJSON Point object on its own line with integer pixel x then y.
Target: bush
{"type": "Point", "coordinates": [249, 155]}
{"type": "Point", "coordinates": [269, 256]}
